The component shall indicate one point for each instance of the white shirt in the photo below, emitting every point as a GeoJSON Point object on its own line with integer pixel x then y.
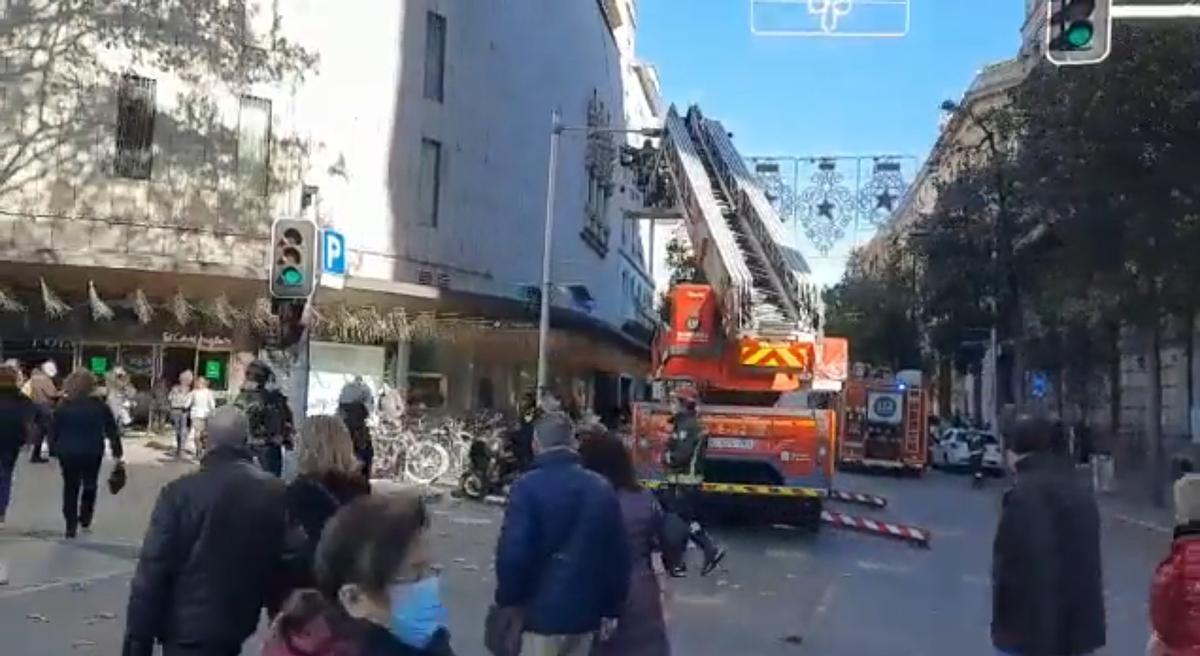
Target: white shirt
{"type": "Point", "coordinates": [203, 402]}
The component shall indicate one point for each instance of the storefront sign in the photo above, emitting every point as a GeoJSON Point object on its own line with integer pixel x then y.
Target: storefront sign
{"type": "Point", "coordinates": [203, 341]}
{"type": "Point", "coordinates": [98, 364]}
{"type": "Point", "coordinates": [212, 369]}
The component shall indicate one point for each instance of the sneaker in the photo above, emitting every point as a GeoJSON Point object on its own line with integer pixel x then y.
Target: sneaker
{"type": "Point", "coordinates": [678, 572]}
{"type": "Point", "coordinates": [70, 534]}
{"type": "Point", "coordinates": [711, 563]}
{"type": "Point", "coordinates": [86, 530]}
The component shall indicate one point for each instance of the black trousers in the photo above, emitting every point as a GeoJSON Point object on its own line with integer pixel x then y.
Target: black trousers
{"type": "Point", "coordinates": [270, 457]}
{"type": "Point", "coordinates": [683, 501]}
{"type": "Point", "coordinates": [80, 475]}
{"type": "Point", "coordinates": [41, 428]}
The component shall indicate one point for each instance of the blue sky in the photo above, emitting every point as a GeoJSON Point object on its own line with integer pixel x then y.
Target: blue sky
{"type": "Point", "coordinates": [814, 96]}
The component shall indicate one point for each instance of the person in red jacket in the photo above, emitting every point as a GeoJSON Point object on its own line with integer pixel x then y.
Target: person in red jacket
{"type": "Point", "coordinates": [1175, 590]}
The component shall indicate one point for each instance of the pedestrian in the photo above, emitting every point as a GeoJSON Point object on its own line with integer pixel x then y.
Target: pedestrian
{"type": "Point", "coordinates": [684, 457]}
{"type": "Point", "coordinates": [44, 394]}
{"type": "Point", "coordinates": [377, 591]}
{"type": "Point", "coordinates": [178, 399]}
{"type": "Point", "coordinates": [562, 561]}
{"type": "Point", "coordinates": [329, 476]}
{"type": "Point", "coordinates": [1047, 594]}
{"type": "Point", "coordinates": [80, 426]}
{"type": "Point", "coordinates": [641, 627]}
{"type": "Point", "coordinates": [270, 417]}
{"type": "Point", "coordinates": [213, 554]}
{"type": "Point", "coordinates": [201, 404]}
{"type": "Point", "coordinates": [1174, 610]}
{"type": "Point", "coordinates": [17, 416]}
{"type": "Point", "coordinates": [118, 393]}
{"type": "Point", "coordinates": [354, 407]}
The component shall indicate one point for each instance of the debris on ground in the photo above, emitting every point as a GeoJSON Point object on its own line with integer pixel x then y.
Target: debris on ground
{"type": "Point", "coordinates": [793, 639]}
{"type": "Point", "coordinates": [38, 617]}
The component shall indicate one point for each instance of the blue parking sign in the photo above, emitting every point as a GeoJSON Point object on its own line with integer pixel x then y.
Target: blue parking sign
{"type": "Point", "coordinates": [333, 252]}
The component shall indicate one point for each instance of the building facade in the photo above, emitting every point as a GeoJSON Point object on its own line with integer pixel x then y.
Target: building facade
{"type": "Point", "coordinates": [145, 148]}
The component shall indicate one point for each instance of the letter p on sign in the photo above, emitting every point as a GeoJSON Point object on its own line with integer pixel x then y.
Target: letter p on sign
{"type": "Point", "coordinates": [333, 258]}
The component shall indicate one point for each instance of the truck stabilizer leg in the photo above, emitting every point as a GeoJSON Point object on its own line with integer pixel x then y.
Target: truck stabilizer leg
{"type": "Point", "coordinates": [859, 498]}
{"type": "Point", "coordinates": [916, 536]}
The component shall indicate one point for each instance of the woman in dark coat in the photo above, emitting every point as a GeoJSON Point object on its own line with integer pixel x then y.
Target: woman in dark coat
{"type": "Point", "coordinates": [641, 629]}
{"type": "Point", "coordinates": [17, 416]}
{"type": "Point", "coordinates": [81, 425]}
{"type": "Point", "coordinates": [329, 476]}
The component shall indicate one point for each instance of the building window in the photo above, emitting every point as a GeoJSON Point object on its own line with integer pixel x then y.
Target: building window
{"type": "Point", "coordinates": [430, 182]}
{"type": "Point", "coordinates": [254, 144]}
{"type": "Point", "coordinates": [435, 56]}
{"type": "Point", "coordinates": [258, 23]}
{"type": "Point", "coordinates": [135, 127]}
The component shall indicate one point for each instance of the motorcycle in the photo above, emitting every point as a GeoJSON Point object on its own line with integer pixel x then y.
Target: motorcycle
{"type": "Point", "coordinates": [491, 467]}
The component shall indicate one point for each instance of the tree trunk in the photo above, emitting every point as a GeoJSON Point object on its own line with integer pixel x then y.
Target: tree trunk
{"type": "Point", "coordinates": [945, 383]}
{"type": "Point", "coordinates": [977, 393]}
{"type": "Point", "coordinates": [1114, 386]}
{"type": "Point", "coordinates": [1156, 448]}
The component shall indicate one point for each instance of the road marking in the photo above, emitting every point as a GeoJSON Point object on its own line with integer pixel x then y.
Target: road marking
{"type": "Point", "coordinates": [788, 554]}
{"type": "Point", "coordinates": [470, 521]}
{"type": "Point", "coordinates": [872, 566]}
{"type": "Point", "coordinates": [1142, 523]}
{"type": "Point", "coordinates": [61, 583]}
{"type": "Point", "coordinates": [699, 600]}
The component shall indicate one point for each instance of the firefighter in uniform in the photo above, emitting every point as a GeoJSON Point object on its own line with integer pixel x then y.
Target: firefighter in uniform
{"type": "Point", "coordinates": [269, 415]}
{"type": "Point", "coordinates": [685, 473]}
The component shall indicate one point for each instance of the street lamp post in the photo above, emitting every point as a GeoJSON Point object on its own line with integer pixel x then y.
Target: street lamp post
{"type": "Point", "coordinates": [556, 131]}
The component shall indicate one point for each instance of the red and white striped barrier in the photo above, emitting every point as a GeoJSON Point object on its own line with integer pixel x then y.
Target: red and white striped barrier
{"type": "Point", "coordinates": [917, 536]}
{"type": "Point", "coordinates": [860, 498]}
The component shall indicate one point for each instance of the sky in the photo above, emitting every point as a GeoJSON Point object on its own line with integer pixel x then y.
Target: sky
{"type": "Point", "coordinates": [806, 96]}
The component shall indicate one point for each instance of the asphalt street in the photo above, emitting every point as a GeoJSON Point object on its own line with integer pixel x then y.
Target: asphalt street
{"type": "Point", "coordinates": [780, 591]}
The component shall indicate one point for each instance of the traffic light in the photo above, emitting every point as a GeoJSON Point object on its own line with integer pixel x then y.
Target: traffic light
{"type": "Point", "coordinates": [293, 258]}
{"type": "Point", "coordinates": [1078, 31]}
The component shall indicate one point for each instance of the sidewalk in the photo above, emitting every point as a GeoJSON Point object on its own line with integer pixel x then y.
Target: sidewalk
{"type": "Point", "coordinates": [1130, 503]}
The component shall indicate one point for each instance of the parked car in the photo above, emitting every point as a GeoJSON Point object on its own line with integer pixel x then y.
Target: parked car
{"type": "Point", "coordinates": [953, 450]}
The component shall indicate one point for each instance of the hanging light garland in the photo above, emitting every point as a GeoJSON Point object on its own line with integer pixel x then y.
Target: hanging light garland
{"type": "Point", "coordinates": [100, 310]}
{"type": "Point", "coordinates": [54, 306]}
{"type": "Point", "coordinates": [9, 302]}
{"type": "Point", "coordinates": [180, 308]}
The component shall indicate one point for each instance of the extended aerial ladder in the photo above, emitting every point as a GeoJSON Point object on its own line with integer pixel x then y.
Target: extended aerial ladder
{"type": "Point", "coordinates": [769, 311]}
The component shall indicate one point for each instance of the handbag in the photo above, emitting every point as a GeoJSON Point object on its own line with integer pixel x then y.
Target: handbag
{"type": "Point", "coordinates": [118, 478]}
{"type": "Point", "coordinates": [502, 630]}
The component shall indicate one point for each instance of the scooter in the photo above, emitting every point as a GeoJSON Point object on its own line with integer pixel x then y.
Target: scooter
{"type": "Point", "coordinates": [490, 469]}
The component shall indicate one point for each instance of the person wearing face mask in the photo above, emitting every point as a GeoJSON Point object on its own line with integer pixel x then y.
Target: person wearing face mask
{"type": "Point", "coordinates": [377, 592]}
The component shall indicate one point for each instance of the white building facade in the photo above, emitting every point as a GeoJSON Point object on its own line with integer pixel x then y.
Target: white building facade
{"type": "Point", "coordinates": [145, 147]}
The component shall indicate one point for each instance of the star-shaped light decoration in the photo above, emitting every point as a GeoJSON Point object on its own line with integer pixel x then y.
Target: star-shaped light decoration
{"type": "Point", "coordinates": [885, 201]}
{"type": "Point", "coordinates": [825, 209]}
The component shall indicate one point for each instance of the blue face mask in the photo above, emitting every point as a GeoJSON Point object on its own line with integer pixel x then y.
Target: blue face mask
{"type": "Point", "coordinates": [417, 612]}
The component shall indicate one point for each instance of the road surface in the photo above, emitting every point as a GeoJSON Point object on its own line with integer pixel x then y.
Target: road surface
{"type": "Point", "coordinates": [779, 593]}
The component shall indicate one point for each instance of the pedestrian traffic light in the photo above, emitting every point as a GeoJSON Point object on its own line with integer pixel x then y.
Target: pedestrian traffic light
{"type": "Point", "coordinates": [293, 258]}
{"type": "Point", "coordinates": [1078, 31]}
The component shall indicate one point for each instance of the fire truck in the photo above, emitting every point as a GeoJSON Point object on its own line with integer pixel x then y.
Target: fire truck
{"type": "Point", "coordinates": [884, 424]}
{"type": "Point", "coordinates": [745, 339]}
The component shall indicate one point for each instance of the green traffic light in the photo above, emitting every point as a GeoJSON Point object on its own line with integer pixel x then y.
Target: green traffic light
{"type": "Point", "coordinates": [1079, 34]}
{"type": "Point", "coordinates": [291, 277]}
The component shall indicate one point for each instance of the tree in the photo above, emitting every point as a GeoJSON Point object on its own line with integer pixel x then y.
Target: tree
{"type": "Point", "coordinates": [873, 307]}
{"type": "Point", "coordinates": [683, 267]}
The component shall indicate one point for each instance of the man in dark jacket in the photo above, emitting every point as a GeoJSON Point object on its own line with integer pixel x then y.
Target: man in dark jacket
{"type": "Point", "coordinates": [269, 415]}
{"type": "Point", "coordinates": [212, 557]}
{"type": "Point", "coordinates": [563, 557]}
{"type": "Point", "coordinates": [1047, 595]}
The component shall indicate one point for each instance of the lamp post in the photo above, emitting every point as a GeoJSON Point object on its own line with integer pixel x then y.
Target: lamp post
{"type": "Point", "coordinates": [557, 129]}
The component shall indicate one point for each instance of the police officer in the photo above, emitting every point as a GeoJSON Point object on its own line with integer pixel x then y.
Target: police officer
{"type": "Point", "coordinates": [269, 415]}
{"type": "Point", "coordinates": [685, 473]}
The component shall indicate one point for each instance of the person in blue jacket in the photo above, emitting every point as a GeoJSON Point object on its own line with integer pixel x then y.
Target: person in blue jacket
{"type": "Point", "coordinates": [562, 561]}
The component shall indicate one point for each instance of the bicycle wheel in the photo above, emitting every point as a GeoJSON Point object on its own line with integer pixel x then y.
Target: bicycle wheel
{"type": "Point", "coordinates": [426, 462]}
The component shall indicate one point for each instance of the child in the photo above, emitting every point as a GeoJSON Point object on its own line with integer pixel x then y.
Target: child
{"type": "Point", "coordinates": [1175, 590]}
